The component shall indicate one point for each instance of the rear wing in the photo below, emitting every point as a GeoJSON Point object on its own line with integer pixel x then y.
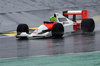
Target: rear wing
{"type": "Point", "coordinates": [83, 14]}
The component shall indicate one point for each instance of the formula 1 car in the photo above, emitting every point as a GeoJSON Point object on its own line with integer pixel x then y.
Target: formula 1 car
{"type": "Point", "coordinates": [62, 25]}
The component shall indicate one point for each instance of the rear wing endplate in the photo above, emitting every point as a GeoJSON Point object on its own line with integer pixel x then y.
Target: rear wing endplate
{"type": "Point", "coordinates": [83, 13]}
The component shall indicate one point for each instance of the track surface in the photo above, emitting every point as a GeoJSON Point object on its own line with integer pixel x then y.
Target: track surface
{"type": "Point", "coordinates": [71, 43]}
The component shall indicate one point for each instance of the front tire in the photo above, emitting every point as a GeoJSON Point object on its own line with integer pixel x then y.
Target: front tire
{"type": "Point", "coordinates": [57, 30]}
{"type": "Point", "coordinates": [22, 28]}
{"type": "Point", "coordinates": [87, 25]}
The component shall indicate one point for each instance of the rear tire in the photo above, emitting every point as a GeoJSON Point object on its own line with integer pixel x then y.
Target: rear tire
{"type": "Point", "coordinates": [87, 25]}
{"type": "Point", "coordinates": [22, 28]}
{"type": "Point", "coordinates": [57, 30]}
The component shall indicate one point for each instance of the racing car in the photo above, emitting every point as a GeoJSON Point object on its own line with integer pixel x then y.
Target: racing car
{"type": "Point", "coordinates": [62, 25]}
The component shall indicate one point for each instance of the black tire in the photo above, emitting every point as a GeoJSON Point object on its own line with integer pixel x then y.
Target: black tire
{"type": "Point", "coordinates": [88, 25]}
{"type": "Point", "coordinates": [57, 30]}
{"type": "Point", "coordinates": [22, 28]}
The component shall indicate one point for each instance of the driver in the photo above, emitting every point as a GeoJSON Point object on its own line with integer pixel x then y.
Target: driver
{"type": "Point", "coordinates": [52, 19]}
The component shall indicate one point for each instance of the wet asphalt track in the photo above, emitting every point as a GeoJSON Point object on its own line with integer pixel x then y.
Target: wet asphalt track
{"type": "Point", "coordinates": [77, 42]}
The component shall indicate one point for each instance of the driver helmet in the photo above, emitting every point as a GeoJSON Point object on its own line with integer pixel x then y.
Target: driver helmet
{"type": "Point", "coordinates": [52, 19]}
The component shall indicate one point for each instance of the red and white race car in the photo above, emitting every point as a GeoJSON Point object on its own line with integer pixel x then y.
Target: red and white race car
{"type": "Point", "coordinates": [62, 25]}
